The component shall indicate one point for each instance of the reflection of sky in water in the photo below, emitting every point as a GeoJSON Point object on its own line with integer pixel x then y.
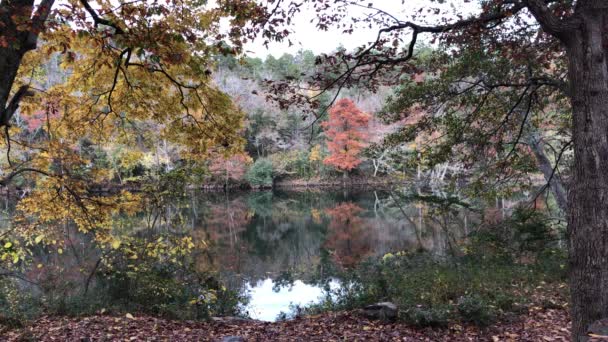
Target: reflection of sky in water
{"type": "Point", "coordinates": [266, 304]}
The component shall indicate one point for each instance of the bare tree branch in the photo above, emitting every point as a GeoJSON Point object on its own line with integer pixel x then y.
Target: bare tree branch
{"type": "Point", "coordinates": [6, 179]}
{"type": "Point", "coordinates": [98, 20]}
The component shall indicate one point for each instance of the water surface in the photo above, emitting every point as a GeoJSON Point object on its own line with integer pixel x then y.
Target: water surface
{"type": "Point", "coordinates": [279, 243]}
{"type": "Point", "coordinates": [277, 247]}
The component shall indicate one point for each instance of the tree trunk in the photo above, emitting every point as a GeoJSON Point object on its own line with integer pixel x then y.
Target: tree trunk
{"type": "Point", "coordinates": [544, 164]}
{"type": "Point", "coordinates": [10, 60]}
{"type": "Point", "coordinates": [376, 166]}
{"type": "Point", "coordinates": [588, 192]}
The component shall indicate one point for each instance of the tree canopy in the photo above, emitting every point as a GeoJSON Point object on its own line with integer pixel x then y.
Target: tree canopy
{"type": "Point", "coordinates": [79, 75]}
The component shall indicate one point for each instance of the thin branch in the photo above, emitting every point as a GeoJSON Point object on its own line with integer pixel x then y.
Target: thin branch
{"type": "Point", "coordinates": [521, 127]}
{"type": "Point", "coordinates": [8, 145]}
{"type": "Point", "coordinates": [4, 181]}
{"type": "Point", "coordinates": [91, 274]}
{"type": "Point", "coordinates": [98, 20]}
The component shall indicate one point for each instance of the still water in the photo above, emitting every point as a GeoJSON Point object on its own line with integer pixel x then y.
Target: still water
{"type": "Point", "coordinates": [278, 243]}
{"type": "Point", "coordinates": [276, 247]}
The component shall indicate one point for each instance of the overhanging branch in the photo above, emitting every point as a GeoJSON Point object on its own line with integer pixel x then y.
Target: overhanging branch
{"type": "Point", "coordinates": [6, 179]}
{"type": "Point", "coordinates": [99, 20]}
{"type": "Point", "coordinates": [11, 108]}
{"type": "Point", "coordinates": [559, 28]}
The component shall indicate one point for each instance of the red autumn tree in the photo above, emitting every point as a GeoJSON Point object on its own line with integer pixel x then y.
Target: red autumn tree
{"type": "Point", "coordinates": [231, 168]}
{"type": "Point", "coordinates": [346, 132]}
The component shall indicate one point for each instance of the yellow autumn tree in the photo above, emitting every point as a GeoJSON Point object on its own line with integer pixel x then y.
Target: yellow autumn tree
{"type": "Point", "coordinates": [314, 157]}
{"type": "Point", "coordinates": [129, 71]}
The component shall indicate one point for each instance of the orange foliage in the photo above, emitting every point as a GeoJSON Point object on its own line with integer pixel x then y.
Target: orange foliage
{"type": "Point", "coordinates": [346, 131]}
{"type": "Point", "coordinates": [229, 168]}
{"type": "Point", "coordinates": [37, 118]}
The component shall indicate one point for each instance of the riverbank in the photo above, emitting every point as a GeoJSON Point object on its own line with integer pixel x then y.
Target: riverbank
{"type": "Point", "coordinates": [306, 183]}
{"type": "Point", "coordinates": [353, 181]}
{"type": "Point", "coordinates": [539, 324]}
{"type": "Point", "coordinates": [281, 184]}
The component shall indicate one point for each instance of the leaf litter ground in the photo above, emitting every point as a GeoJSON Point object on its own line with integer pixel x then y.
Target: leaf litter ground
{"type": "Point", "coordinates": [537, 325]}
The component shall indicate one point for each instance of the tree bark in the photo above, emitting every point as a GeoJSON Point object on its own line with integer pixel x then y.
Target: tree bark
{"type": "Point", "coordinates": [15, 42]}
{"type": "Point", "coordinates": [588, 193]}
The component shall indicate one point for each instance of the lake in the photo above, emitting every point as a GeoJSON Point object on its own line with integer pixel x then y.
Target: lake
{"type": "Point", "coordinates": [278, 243]}
{"type": "Point", "coordinates": [278, 249]}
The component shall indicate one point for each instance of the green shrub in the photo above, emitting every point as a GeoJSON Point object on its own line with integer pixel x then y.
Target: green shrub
{"type": "Point", "coordinates": [489, 279]}
{"type": "Point", "coordinates": [505, 302]}
{"type": "Point", "coordinates": [142, 276]}
{"type": "Point", "coordinates": [16, 305]}
{"type": "Point", "coordinates": [292, 163]}
{"type": "Point", "coordinates": [474, 309]}
{"type": "Point", "coordinates": [531, 230]}
{"type": "Point", "coordinates": [427, 317]}
{"type": "Point", "coordinates": [260, 174]}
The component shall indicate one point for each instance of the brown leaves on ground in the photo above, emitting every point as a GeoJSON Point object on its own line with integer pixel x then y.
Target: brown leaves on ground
{"type": "Point", "coordinates": [538, 325]}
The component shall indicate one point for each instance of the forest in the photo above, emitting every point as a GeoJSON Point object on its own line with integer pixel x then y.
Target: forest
{"type": "Point", "coordinates": [188, 170]}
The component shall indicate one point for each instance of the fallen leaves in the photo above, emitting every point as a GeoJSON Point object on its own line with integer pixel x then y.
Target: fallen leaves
{"type": "Point", "coordinates": [538, 325]}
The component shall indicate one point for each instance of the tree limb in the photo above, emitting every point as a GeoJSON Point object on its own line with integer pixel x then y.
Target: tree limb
{"type": "Point", "coordinates": [6, 179]}
{"type": "Point", "coordinates": [559, 28]}
{"type": "Point", "coordinates": [11, 108]}
{"type": "Point", "coordinates": [555, 185]}
{"type": "Point", "coordinates": [98, 20]}
{"type": "Point", "coordinates": [38, 20]}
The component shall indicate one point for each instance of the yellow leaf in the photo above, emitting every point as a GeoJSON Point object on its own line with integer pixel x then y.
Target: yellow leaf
{"type": "Point", "coordinates": [60, 251]}
{"type": "Point", "coordinates": [116, 244]}
{"type": "Point", "coordinates": [8, 245]}
{"type": "Point", "coordinates": [38, 238]}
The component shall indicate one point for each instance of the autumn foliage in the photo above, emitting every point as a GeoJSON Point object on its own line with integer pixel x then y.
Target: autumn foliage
{"type": "Point", "coordinates": [346, 134]}
{"type": "Point", "coordinates": [229, 167]}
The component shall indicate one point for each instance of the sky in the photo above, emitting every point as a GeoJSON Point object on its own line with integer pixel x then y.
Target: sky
{"type": "Point", "coordinates": [265, 304]}
{"type": "Point", "coordinates": [307, 37]}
